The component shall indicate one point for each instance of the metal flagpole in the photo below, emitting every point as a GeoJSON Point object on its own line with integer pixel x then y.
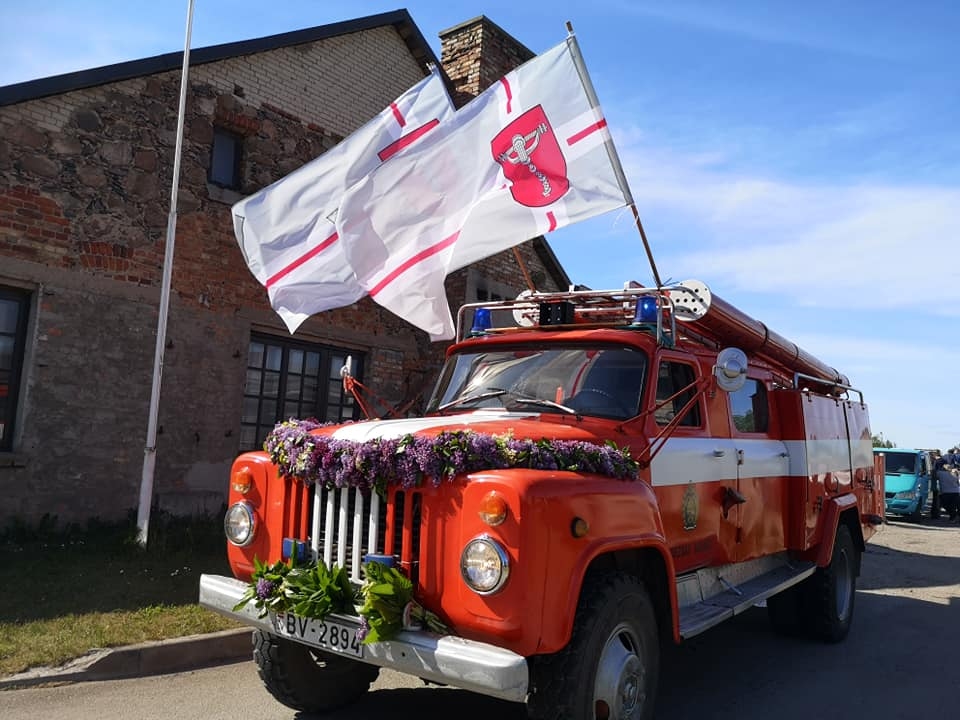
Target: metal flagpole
{"type": "Point", "coordinates": [611, 151]}
{"type": "Point", "coordinates": [150, 450]}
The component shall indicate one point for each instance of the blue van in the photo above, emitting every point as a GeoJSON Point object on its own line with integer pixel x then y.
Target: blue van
{"type": "Point", "coordinates": [907, 480]}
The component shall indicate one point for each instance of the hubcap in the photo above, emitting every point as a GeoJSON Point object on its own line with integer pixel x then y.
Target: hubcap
{"type": "Point", "coordinates": [844, 585]}
{"type": "Point", "coordinates": [618, 692]}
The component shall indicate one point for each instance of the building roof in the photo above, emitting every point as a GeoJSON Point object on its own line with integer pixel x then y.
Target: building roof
{"type": "Point", "coordinates": [56, 84]}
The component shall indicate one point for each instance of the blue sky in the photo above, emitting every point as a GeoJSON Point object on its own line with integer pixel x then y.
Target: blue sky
{"type": "Point", "coordinates": [802, 159]}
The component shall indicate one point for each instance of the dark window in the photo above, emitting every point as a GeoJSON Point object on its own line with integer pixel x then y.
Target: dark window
{"type": "Point", "coordinates": [748, 406]}
{"type": "Point", "coordinates": [288, 379]}
{"type": "Point", "coordinates": [13, 333]}
{"type": "Point", "coordinates": [225, 159]}
{"type": "Point", "coordinates": [672, 378]}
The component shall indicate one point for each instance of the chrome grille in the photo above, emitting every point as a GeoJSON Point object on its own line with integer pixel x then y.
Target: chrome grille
{"type": "Point", "coordinates": [347, 524]}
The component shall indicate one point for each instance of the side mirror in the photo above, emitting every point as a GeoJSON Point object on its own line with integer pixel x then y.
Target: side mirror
{"type": "Point", "coordinates": [731, 369]}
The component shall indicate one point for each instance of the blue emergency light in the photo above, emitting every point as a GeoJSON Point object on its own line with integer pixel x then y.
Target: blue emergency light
{"type": "Point", "coordinates": [482, 321]}
{"type": "Point", "coordinates": [646, 311]}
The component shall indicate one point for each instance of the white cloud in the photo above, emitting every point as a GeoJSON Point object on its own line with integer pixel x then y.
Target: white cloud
{"type": "Point", "coordinates": [854, 246]}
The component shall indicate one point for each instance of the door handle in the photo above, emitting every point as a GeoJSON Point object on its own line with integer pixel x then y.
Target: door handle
{"type": "Point", "coordinates": [719, 453]}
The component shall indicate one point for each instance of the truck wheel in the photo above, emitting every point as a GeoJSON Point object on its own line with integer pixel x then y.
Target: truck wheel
{"type": "Point", "coordinates": [917, 515]}
{"type": "Point", "coordinates": [830, 592]}
{"type": "Point", "coordinates": [306, 679]}
{"type": "Point", "coordinates": [609, 669]}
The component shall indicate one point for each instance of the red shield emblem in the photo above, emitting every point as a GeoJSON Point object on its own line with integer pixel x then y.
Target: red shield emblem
{"type": "Point", "coordinates": [529, 153]}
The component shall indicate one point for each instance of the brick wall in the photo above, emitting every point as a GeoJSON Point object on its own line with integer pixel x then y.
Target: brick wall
{"type": "Point", "coordinates": [477, 53]}
{"type": "Point", "coordinates": [85, 182]}
{"type": "Point", "coordinates": [84, 198]}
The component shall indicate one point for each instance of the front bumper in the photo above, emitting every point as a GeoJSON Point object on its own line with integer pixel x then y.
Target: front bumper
{"type": "Point", "coordinates": [902, 507]}
{"type": "Point", "coordinates": [446, 659]}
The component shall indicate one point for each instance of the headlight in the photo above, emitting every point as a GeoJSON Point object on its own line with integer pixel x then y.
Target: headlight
{"type": "Point", "coordinates": [239, 524]}
{"type": "Point", "coordinates": [908, 495]}
{"type": "Point", "coordinates": [484, 565]}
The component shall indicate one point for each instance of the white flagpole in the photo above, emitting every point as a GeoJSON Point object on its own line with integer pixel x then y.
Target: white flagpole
{"type": "Point", "coordinates": [150, 450]}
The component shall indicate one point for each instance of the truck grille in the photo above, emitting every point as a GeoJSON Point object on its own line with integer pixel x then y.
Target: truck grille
{"type": "Point", "coordinates": [345, 524]}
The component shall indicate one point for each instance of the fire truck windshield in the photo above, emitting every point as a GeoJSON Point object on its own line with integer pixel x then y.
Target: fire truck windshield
{"type": "Point", "coordinates": [600, 381]}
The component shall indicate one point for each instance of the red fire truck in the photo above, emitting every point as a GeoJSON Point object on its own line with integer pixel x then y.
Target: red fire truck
{"type": "Point", "coordinates": [753, 482]}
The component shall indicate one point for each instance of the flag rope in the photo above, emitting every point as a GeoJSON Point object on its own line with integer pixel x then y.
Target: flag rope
{"type": "Point", "coordinates": [523, 269]}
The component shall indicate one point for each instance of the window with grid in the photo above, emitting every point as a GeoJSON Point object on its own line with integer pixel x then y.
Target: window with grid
{"type": "Point", "coordinates": [14, 305]}
{"type": "Point", "coordinates": [286, 378]}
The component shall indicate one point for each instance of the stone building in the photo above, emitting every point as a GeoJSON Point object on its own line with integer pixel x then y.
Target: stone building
{"type": "Point", "coordinates": [86, 167]}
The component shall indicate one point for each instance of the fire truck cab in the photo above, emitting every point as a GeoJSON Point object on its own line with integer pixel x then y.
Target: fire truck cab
{"type": "Point", "coordinates": [756, 483]}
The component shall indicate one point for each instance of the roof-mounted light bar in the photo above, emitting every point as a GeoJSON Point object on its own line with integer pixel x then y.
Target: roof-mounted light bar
{"type": "Point", "coordinates": [633, 307]}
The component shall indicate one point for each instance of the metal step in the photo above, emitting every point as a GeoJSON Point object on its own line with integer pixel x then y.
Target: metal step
{"type": "Point", "coordinates": [698, 617]}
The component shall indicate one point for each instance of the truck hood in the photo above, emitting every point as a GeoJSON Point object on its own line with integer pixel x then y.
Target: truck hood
{"type": "Point", "coordinates": [899, 483]}
{"type": "Point", "coordinates": [520, 425]}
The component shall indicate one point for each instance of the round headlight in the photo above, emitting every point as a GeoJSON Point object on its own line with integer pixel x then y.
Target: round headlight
{"type": "Point", "coordinates": [239, 524]}
{"type": "Point", "coordinates": [484, 565]}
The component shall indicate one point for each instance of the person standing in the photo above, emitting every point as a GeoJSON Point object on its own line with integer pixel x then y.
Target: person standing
{"type": "Point", "coordinates": [949, 479]}
{"type": "Point", "coordinates": [937, 461]}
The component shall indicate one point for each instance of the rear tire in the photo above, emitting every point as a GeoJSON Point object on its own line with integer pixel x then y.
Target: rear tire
{"type": "Point", "coordinates": [830, 592]}
{"type": "Point", "coordinates": [306, 679]}
{"type": "Point", "coordinates": [611, 665]}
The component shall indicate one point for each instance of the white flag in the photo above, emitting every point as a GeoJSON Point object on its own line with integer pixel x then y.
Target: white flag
{"type": "Point", "coordinates": [287, 232]}
{"type": "Point", "coordinates": [529, 155]}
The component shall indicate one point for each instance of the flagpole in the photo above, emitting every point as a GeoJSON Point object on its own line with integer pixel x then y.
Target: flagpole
{"type": "Point", "coordinates": [611, 151]}
{"type": "Point", "coordinates": [150, 449]}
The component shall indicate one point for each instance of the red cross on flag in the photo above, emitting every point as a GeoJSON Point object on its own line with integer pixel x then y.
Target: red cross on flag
{"type": "Point", "coordinates": [287, 232]}
{"type": "Point", "coordinates": [529, 155]}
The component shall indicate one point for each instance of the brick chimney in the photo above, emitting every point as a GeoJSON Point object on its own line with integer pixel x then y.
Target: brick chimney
{"type": "Point", "coordinates": [477, 53]}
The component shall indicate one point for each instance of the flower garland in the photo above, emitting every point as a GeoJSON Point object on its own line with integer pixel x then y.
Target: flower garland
{"type": "Point", "coordinates": [406, 461]}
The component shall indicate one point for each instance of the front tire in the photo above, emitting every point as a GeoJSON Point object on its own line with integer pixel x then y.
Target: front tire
{"type": "Point", "coordinates": [917, 514]}
{"type": "Point", "coordinates": [832, 590]}
{"type": "Point", "coordinates": [306, 679]}
{"type": "Point", "coordinates": [610, 667]}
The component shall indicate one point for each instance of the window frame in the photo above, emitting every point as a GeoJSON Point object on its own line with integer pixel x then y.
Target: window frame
{"type": "Point", "coordinates": [759, 386]}
{"type": "Point", "coordinates": [223, 134]}
{"type": "Point", "coordinates": [697, 410]}
{"type": "Point", "coordinates": [347, 407]}
{"type": "Point", "coordinates": [9, 417]}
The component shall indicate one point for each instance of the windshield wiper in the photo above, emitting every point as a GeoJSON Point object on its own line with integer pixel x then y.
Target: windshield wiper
{"type": "Point", "coordinates": [546, 403]}
{"type": "Point", "coordinates": [470, 399]}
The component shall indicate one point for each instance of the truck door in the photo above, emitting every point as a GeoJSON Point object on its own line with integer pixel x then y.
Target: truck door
{"type": "Point", "coordinates": [694, 468]}
{"type": "Point", "coordinates": [763, 466]}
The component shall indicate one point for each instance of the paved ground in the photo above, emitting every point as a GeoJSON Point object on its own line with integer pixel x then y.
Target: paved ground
{"type": "Point", "coordinates": [919, 561]}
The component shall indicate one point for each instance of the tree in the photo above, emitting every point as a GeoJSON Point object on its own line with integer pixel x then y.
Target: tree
{"type": "Point", "coordinates": [879, 441]}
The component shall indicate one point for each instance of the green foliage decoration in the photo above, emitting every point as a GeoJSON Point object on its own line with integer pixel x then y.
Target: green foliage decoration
{"type": "Point", "coordinates": [384, 603]}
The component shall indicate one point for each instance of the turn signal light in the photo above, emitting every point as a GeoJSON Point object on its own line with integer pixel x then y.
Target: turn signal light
{"type": "Point", "coordinates": [242, 480]}
{"type": "Point", "coordinates": [493, 508]}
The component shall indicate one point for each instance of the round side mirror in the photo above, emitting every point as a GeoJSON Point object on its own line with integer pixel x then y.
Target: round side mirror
{"type": "Point", "coordinates": [731, 369]}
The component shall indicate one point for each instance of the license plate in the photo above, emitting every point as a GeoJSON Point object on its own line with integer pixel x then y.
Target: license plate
{"type": "Point", "coordinates": [327, 634]}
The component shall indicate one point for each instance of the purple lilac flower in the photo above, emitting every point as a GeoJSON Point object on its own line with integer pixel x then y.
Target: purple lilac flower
{"type": "Point", "coordinates": [380, 463]}
{"type": "Point", "coordinates": [364, 628]}
{"type": "Point", "coordinates": [265, 588]}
